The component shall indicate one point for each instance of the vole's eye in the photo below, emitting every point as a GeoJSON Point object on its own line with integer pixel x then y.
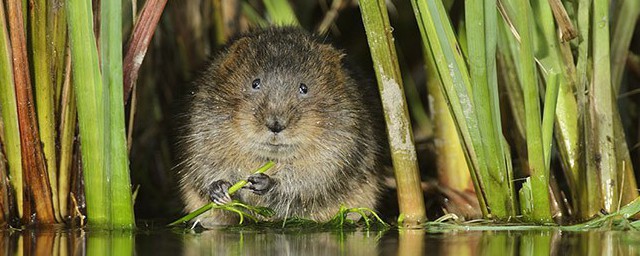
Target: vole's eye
{"type": "Point", "coordinates": [303, 89]}
{"type": "Point", "coordinates": [255, 84]}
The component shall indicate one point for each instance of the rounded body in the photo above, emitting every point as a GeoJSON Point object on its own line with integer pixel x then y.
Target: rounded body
{"type": "Point", "coordinates": [280, 94]}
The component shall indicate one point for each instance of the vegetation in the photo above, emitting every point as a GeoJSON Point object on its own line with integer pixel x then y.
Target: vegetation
{"type": "Point", "coordinates": [69, 75]}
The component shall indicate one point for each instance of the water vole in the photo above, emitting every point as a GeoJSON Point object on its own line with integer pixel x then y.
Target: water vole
{"type": "Point", "coordinates": [281, 94]}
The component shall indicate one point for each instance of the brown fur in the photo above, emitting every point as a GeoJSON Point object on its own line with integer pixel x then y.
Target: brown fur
{"type": "Point", "coordinates": [333, 141]}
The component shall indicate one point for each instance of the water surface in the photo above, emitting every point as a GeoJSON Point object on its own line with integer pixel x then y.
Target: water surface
{"type": "Point", "coordinates": [246, 241]}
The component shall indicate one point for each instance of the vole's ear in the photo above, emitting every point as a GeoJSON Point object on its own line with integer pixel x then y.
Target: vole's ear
{"type": "Point", "coordinates": [334, 55]}
{"type": "Point", "coordinates": [233, 55]}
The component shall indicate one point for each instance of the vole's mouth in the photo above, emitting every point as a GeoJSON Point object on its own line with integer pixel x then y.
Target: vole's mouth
{"type": "Point", "coordinates": [277, 145]}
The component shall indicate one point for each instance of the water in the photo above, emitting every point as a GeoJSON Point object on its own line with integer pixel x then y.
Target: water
{"type": "Point", "coordinates": [300, 242]}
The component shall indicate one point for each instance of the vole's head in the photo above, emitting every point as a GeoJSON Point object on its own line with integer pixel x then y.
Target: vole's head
{"type": "Point", "coordinates": [282, 94]}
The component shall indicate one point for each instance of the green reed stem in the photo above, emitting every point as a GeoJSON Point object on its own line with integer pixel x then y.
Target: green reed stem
{"type": "Point", "coordinates": [121, 204]}
{"type": "Point", "coordinates": [550, 100]}
{"type": "Point", "coordinates": [89, 92]}
{"type": "Point", "coordinates": [535, 149]}
{"type": "Point", "coordinates": [482, 34]}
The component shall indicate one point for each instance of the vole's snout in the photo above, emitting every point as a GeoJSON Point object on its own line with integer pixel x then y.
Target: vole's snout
{"type": "Point", "coordinates": [276, 124]}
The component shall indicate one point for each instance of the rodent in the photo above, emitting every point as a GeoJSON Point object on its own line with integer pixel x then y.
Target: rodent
{"type": "Point", "coordinates": [284, 95]}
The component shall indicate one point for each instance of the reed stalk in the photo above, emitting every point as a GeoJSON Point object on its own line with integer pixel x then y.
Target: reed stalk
{"type": "Point", "coordinates": [90, 94]}
{"type": "Point", "coordinates": [559, 78]}
{"type": "Point", "coordinates": [535, 150]}
{"type": "Point", "coordinates": [481, 36]}
{"type": "Point", "coordinates": [403, 154]}
{"type": "Point", "coordinates": [35, 179]}
{"type": "Point", "coordinates": [218, 23]}
{"type": "Point", "coordinates": [139, 41]}
{"type": "Point", "coordinates": [452, 172]}
{"type": "Point", "coordinates": [67, 129]}
{"type": "Point", "coordinates": [9, 113]}
{"type": "Point", "coordinates": [621, 35]}
{"type": "Point", "coordinates": [494, 189]}
{"type": "Point", "coordinates": [550, 101]}
{"type": "Point", "coordinates": [57, 52]}
{"type": "Point", "coordinates": [601, 109]}
{"type": "Point", "coordinates": [625, 13]}
{"type": "Point", "coordinates": [121, 205]}
{"type": "Point", "coordinates": [44, 88]}
{"type": "Point", "coordinates": [589, 201]}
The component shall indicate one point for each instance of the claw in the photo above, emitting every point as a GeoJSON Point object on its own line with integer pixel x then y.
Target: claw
{"type": "Point", "coordinates": [259, 183]}
{"type": "Point", "coordinates": [219, 192]}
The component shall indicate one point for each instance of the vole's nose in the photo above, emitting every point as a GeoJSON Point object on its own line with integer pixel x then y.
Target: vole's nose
{"type": "Point", "coordinates": [275, 125]}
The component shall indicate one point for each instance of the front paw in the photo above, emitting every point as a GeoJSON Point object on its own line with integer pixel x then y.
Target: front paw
{"type": "Point", "coordinates": [259, 183]}
{"type": "Point", "coordinates": [219, 192]}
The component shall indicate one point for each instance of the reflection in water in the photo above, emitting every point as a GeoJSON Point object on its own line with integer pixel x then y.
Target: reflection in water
{"type": "Point", "coordinates": [219, 242]}
{"type": "Point", "coordinates": [297, 242]}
